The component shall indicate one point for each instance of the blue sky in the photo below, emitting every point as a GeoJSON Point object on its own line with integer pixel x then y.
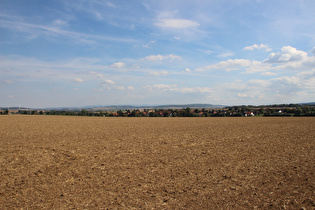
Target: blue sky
{"type": "Point", "coordinates": [108, 52]}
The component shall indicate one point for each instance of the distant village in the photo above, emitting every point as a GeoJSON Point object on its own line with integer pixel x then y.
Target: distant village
{"type": "Point", "coordinates": [283, 110]}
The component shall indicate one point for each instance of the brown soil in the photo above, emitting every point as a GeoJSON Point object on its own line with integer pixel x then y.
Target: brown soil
{"type": "Point", "coordinates": [58, 162]}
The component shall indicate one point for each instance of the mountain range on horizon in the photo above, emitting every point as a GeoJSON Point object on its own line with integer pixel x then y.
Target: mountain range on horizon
{"type": "Point", "coordinates": [169, 106]}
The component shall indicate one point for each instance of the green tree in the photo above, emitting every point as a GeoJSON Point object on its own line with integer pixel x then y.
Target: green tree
{"type": "Point", "coordinates": [133, 113]}
{"type": "Point", "coordinates": [120, 113]}
{"type": "Point", "coordinates": [166, 114]}
{"type": "Point", "coordinates": [298, 111]}
{"type": "Point", "coordinates": [83, 112]}
{"type": "Point", "coordinates": [152, 114]}
{"type": "Point", "coordinates": [306, 109]}
{"type": "Point", "coordinates": [187, 112]}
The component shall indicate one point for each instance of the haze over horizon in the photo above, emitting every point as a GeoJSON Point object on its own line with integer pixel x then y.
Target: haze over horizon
{"type": "Point", "coordinates": [66, 53]}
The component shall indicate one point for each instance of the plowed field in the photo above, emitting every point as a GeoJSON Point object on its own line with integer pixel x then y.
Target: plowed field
{"type": "Point", "coordinates": [59, 162]}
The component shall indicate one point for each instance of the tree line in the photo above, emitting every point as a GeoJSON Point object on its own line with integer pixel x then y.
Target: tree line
{"type": "Point", "coordinates": [233, 111]}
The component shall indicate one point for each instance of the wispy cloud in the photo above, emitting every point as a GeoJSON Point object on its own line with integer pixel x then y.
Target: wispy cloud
{"type": "Point", "coordinates": [285, 87]}
{"type": "Point", "coordinates": [228, 65]}
{"type": "Point", "coordinates": [224, 55]}
{"type": "Point", "coordinates": [110, 82]}
{"type": "Point", "coordinates": [159, 73]}
{"type": "Point", "coordinates": [176, 23]}
{"type": "Point", "coordinates": [52, 70]}
{"type": "Point", "coordinates": [269, 73]}
{"type": "Point", "coordinates": [175, 88]}
{"type": "Point", "coordinates": [119, 87]}
{"type": "Point", "coordinates": [256, 46]}
{"type": "Point", "coordinates": [118, 65]}
{"type": "Point", "coordinates": [78, 80]}
{"type": "Point", "coordinates": [208, 52]}
{"type": "Point", "coordinates": [131, 88]}
{"type": "Point", "coordinates": [170, 57]}
{"type": "Point", "coordinates": [242, 94]}
{"type": "Point", "coordinates": [59, 23]}
{"type": "Point", "coordinates": [288, 59]}
{"type": "Point", "coordinates": [53, 30]}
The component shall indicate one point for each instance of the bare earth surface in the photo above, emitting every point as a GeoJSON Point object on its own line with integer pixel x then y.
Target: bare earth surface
{"type": "Point", "coordinates": [59, 162]}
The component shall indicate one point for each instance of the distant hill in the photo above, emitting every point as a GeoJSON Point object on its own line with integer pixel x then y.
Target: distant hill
{"type": "Point", "coordinates": [12, 107]}
{"type": "Point", "coordinates": [308, 104]}
{"type": "Point", "coordinates": [170, 106]}
{"type": "Point", "coordinates": [195, 106]}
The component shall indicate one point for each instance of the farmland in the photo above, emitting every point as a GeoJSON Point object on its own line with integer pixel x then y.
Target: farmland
{"type": "Point", "coordinates": [62, 162]}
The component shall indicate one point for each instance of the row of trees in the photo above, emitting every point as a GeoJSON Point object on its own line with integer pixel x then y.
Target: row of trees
{"type": "Point", "coordinates": [4, 112]}
{"type": "Point", "coordinates": [235, 111]}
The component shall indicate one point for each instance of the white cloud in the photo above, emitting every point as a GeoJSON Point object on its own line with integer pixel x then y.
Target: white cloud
{"type": "Point", "coordinates": [307, 74]}
{"type": "Point", "coordinates": [164, 87]}
{"type": "Point", "coordinates": [257, 66]}
{"type": "Point", "coordinates": [287, 54]}
{"type": "Point", "coordinates": [196, 90]}
{"type": "Point", "coordinates": [256, 46]}
{"type": "Point", "coordinates": [259, 82]}
{"type": "Point", "coordinates": [176, 23]}
{"type": "Point", "coordinates": [74, 70]}
{"type": "Point", "coordinates": [208, 52]}
{"type": "Point", "coordinates": [268, 73]}
{"type": "Point", "coordinates": [276, 89]}
{"type": "Point", "coordinates": [176, 37]}
{"type": "Point", "coordinates": [175, 88]}
{"type": "Point", "coordinates": [159, 73]}
{"type": "Point", "coordinates": [118, 65]}
{"type": "Point", "coordinates": [78, 80]}
{"type": "Point", "coordinates": [100, 75]}
{"type": "Point", "coordinates": [130, 88]}
{"type": "Point", "coordinates": [59, 22]}
{"type": "Point", "coordinates": [162, 57]}
{"type": "Point", "coordinates": [9, 82]}
{"type": "Point", "coordinates": [242, 95]}
{"type": "Point", "coordinates": [120, 87]}
{"type": "Point", "coordinates": [187, 69]}
{"type": "Point", "coordinates": [288, 81]}
{"type": "Point", "coordinates": [110, 82]}
{"type": "Point", "coordinates": [228, 65]}
{"type": "Point", "coordinates": [291, 59]}
{"type": "Point", "coordinates": [52, 30]}
{"type": "Point", "coordinates": [110, 4]}
{"type": "Point", "coordinates": [224, 55]}
{"type": "Point", "coordinates": [237, 64]}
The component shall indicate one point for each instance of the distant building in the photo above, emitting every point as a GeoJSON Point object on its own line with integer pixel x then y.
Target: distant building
{"type": "Point", "coordinates": [249, 113]}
